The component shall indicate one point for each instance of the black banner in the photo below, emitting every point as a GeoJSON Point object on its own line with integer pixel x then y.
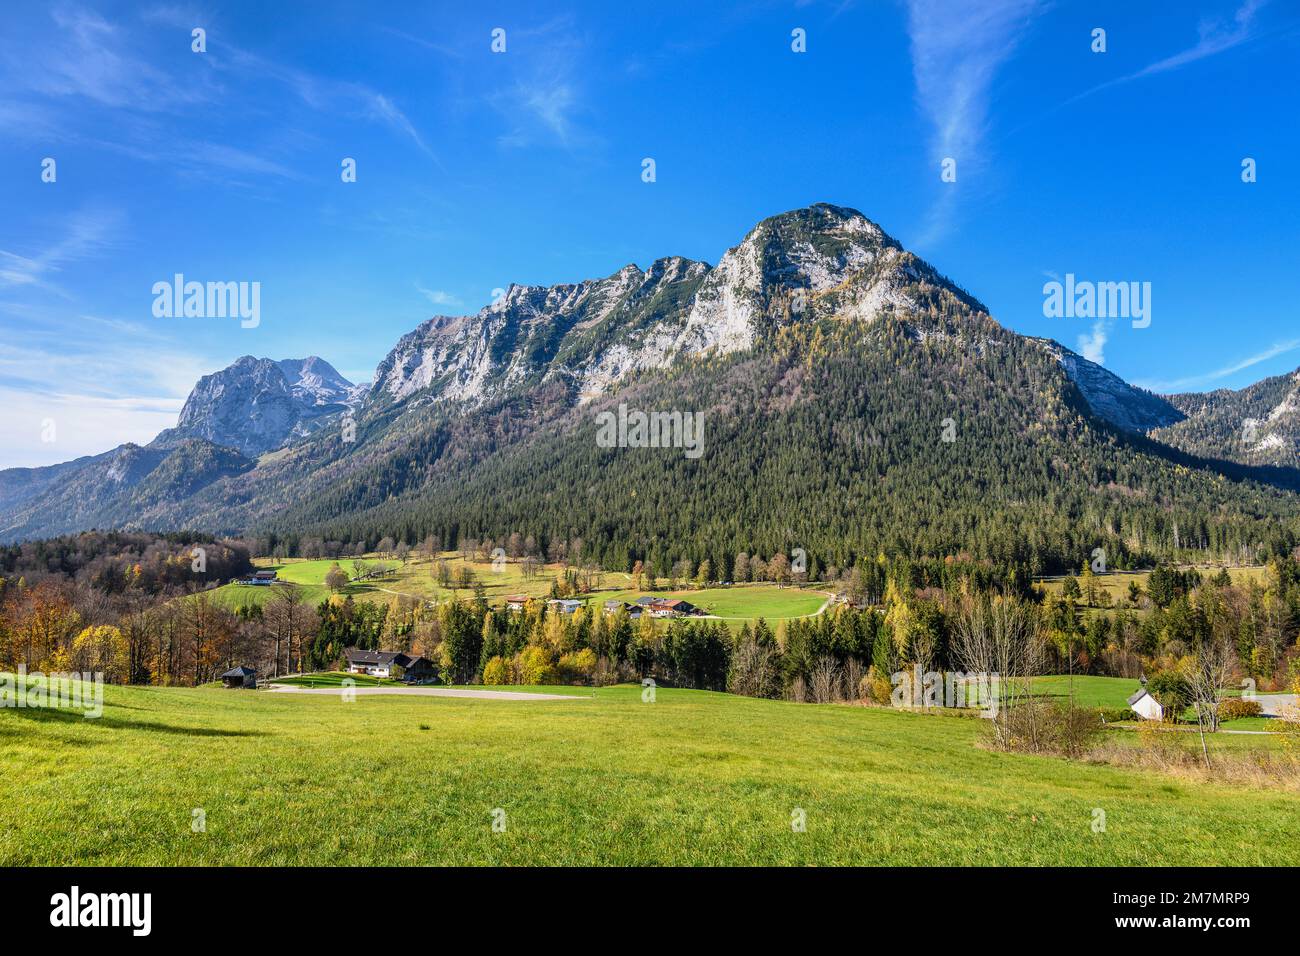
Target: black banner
{"type": "Point", "coordinates": [145, 906]}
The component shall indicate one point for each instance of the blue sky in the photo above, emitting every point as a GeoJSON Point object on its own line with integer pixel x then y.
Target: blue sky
{"type": "Point", "coordinates": [476, 169]}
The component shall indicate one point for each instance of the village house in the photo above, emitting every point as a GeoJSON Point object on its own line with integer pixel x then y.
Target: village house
{"type": "Point", "coordinates": [240, 677]}
{"type": "Point", "coordinates": [667, 607]}
{"type": "Point", "coordinates": [565, 605]}
{"type": "Point", "coordinates": [516, 602]}
{"type": "Point", "coordinates": [260, 577]}
{"type": "Point", "coordinates": [633, 610]}
{"type": "Point", "coordinates": [408, 667]}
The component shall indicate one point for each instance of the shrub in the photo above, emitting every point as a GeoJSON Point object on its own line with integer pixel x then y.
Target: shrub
{"type": "Point", "coordinates": [577, 666]}
{"type": "Point", "coordinates": [879, 688]}
{"type": "Point", "coordinates": [1230, 708]}
{"type": "Point", "coordinates": [496, 671]}
{"type": "Point", "coordinates": [1112, 715]}
{"type": "Point", "coordinates": [533, 666]}
{"type": "Point", "coordinates": [1041, 726]}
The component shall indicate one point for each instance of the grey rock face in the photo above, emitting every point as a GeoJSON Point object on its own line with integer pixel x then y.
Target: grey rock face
{"type": "Point", "coordinates": [1110, 397]}
{"type": "Point", "coordinates": [259, 405]}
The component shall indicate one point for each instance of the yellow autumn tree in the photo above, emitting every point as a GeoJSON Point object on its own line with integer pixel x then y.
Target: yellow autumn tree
{"type": "Point", "coordinates": [101, 648]}
{"type": "Point", "coordinates": [496, 671]}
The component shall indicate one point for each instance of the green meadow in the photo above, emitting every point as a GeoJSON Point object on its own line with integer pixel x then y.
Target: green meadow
{"type": "Point", "coordinates": [607, 778]}
{"type": "Point", "coordinates": [745, 602]}
{"type": "Point", "coordinates": [417, 579]}
{"type": "Point", "coordinates": [1115, 583]}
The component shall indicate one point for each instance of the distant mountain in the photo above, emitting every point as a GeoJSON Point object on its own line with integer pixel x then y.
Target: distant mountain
{"type": "Point", "coordinates": [258, 405]}
{"type": "Point", "coordinates": [232, 416]}
{"type": "Point", "coordinates": [855, 401]}
{"type": "Point", "coordinates": [126, 488]}
{"type": "Point", "coordinates": [1257, 425]}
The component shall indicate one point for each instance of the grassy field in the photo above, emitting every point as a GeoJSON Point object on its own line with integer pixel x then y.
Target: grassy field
{"type": "Point", "coordinates": [742, 602]}
{"type": "Point", "coordinates": [416, 579]}
{"type": "Point", "coordinates": [1092, 691]}
{"type": "Point", "coordinates": [693, 777]}
{"type": "Point", "coordinates": [1115, 583]}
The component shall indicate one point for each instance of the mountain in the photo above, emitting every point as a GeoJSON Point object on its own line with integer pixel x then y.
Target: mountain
{"type": "Point", "coordinates": [806, 265]}
{"type": "Point", "coordinates": [232, 416]}
{"type": "Point", "coordinates": [1257, 425]}
{"type": "Point", "coordinates": [257, 405]}
{"type": "Point", "coordinates": [1110, 397]}
{"type": "Point", "coordinates": [853, 400]}
{"type": "Point", "coordinates": [128, 487]}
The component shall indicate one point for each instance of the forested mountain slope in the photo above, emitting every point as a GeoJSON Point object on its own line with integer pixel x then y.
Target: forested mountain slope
{"type": "Point", "coordinates": [853, 401]}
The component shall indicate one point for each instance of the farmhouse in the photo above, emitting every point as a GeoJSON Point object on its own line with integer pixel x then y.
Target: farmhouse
{"type": "Point", "coordinates": [633, 610]}
{"type": "Point", "coordinates": [1146, 706]}
{"type": "Point", "coordinates": [260, 577]}
{"type": "Point", "coordinates": [516, 602]}
{"type": "Point", "coordinates": [240, 677]}
{"type": "Point", "coordinates": [408, 667]}
{"type": "Point", "coordinates": [667, 607]}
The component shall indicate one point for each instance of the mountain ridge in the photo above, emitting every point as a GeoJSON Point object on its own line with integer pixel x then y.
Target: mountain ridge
{"type": "Point", "coordinates": [459, 393]}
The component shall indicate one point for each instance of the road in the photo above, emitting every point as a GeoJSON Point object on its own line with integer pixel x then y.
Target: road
{"type": "Point", "coordinates": [1273, 704]}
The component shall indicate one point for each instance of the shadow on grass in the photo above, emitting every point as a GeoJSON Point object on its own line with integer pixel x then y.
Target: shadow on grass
{"type": "Point", "coordinates": [70, 715]}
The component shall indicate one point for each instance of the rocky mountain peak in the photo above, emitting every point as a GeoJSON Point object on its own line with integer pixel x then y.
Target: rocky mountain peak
{"type": "Point", "coordinates": [822, 261]}
{"type": "Point", "coordinates": [256, 405]}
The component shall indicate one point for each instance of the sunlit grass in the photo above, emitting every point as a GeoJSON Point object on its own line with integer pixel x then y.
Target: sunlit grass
{"type": "Point", "coordinates": [692, 778]}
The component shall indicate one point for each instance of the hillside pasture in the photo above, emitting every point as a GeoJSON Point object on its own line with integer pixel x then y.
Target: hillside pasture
{"type": "Point", "coordinates": [1115, 583]}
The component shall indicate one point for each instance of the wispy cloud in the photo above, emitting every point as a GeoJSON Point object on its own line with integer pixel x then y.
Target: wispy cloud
{"type": "Point", "coordinates": [88, 233]}
{"type": "Point", "coordinates": [1215, 36]}
{"type": "Point", "coordinates": [93, 60]}
{"type": "Point", "coordinates": [957, 48]}
{"type": "Point", "coordinates": [545, 100]}
{"type": "Point", "coordinates": [123, 93]}
{"type": "Point", "coordinates": [437, 296]}
{"type": "Point", "coordinates": [1209, 378]}
{"type": "Point", "coordinates": [67, 370]}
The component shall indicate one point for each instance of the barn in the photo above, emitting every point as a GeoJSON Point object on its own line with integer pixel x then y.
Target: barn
{"type": "Point", "coordinates": [240, 677]}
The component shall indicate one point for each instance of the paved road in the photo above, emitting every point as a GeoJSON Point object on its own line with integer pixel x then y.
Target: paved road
{"type": "Point", "coordinates": [426, 692]}
{"type": "Point", "coordinates": [1273, 704]}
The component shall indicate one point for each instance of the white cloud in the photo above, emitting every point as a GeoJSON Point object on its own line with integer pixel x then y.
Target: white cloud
{"type": "Point", "coordinates": [545, 100]}
{"type": "Point", "coordinates": [1208, 378]}
{"type": "Point", "coordinates": [102, 380]}
{"type": "Point", "coordinates": [81, 424]}
{"type": "Point", "coordinates": [1215, 37]}
{"type": "Point", "coordinates": [957, 48]}
{"type": "Point", "coordinates": [437, 296]}
{"type": "Point", "coordinates": [92, 59]}
{"type": "Point", "coordinates": [1092, 345]}
{"type": "Point", "coordinates": [87, 233]}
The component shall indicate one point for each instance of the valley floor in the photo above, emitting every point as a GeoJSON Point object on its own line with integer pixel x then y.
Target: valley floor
{"type": "Point", "coordinates": [690, 778]}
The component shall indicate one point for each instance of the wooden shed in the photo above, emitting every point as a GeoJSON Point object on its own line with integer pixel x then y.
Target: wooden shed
{"type": "Point", "coordinates": [240, 677]}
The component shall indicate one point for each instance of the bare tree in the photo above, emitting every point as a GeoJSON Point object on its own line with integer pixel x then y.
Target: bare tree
{"type": "Point", "coordinates": [1000, 639]}
{"type": "Point", "coordinates": [753, 672]}
{"type": "Point", "coordinates": [826, 677]}
{"type": "Point", "coordinates": [1207, 672]}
